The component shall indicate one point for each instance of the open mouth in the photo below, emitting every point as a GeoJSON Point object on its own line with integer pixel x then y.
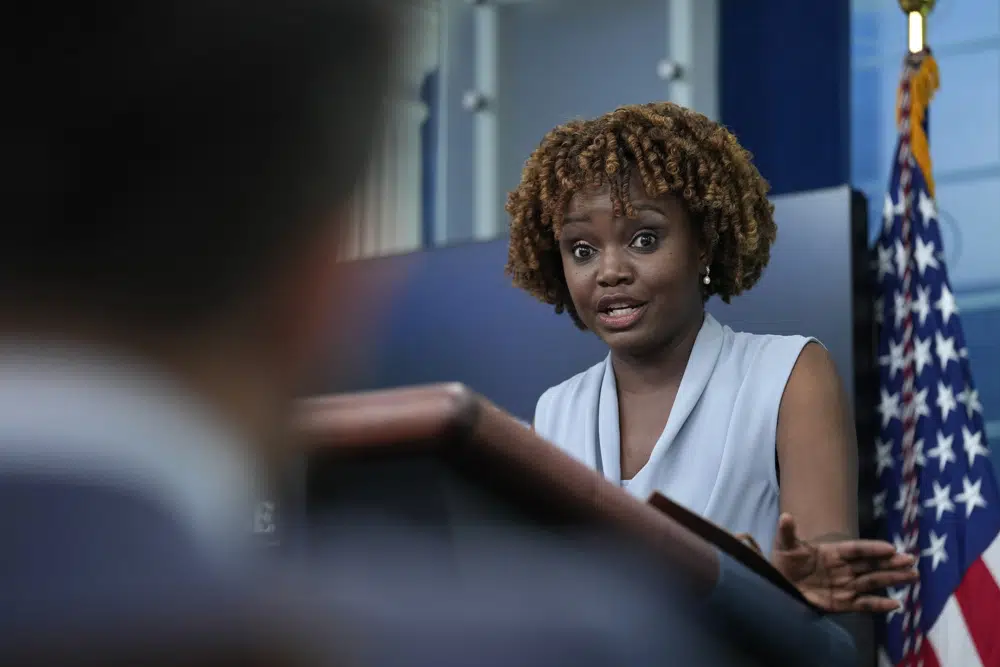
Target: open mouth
{"type": "Point", "coordinates": [621, 316]}
{"type": "Point", "coordinates": [621, 311]}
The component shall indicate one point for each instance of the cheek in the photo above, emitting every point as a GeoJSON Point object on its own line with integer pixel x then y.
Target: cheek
{"type": "Point", "coordinates": [579, 282]}
{"type": "Point", "coordinates": [670, 273]}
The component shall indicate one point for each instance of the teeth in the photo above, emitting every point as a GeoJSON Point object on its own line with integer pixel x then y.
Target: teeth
{"type": "Point", "coordinates": [622, 310]}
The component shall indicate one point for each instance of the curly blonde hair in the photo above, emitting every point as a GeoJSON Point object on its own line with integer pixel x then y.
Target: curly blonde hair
{"type": "Point", "coordinates": [675, 151]}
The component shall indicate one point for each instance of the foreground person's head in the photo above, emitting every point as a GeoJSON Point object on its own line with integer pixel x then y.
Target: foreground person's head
{"type": "Point", "coordinates": [176, 173]}
{"type": "Point", "coordinates": [631, 221]}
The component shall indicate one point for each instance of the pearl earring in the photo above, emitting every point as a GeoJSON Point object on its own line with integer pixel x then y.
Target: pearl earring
{"type": "Point", "coordinates": [707, 280]}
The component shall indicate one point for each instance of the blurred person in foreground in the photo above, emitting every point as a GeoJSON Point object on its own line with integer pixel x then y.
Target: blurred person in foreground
{"type": "Point", "coordinates": [176, 175]}
{"type": "Point", "coordinates": [175, 178]}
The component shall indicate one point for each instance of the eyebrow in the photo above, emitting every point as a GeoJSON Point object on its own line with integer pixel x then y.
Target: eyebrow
{"type": "Point", "coordinates": [639, 205]}
{"type": "Point", "coordinates": [645, 205]}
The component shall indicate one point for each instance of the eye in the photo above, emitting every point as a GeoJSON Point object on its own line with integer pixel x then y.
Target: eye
{"type": "Point", "coordinates": [582, 251]}
{"type": "Point", "coordinates": [644, 241]}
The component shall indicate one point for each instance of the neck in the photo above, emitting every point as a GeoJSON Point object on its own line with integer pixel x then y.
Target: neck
{"type": "Point", "coordinates": [660, 369]}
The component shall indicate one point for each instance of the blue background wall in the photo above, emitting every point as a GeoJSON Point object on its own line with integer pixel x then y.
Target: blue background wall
{"type": "Point", "coordinates": [784, 85]}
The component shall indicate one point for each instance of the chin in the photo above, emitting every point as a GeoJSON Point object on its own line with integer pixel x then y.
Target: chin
{"type": "Point", "coordinates": [633, 342]}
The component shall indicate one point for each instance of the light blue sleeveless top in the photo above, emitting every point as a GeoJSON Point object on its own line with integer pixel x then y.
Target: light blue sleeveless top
{"type": "Point", "coordinates": [716, 455]}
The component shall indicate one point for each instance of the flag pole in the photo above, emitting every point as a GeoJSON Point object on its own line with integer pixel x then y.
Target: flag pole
{"type": "Point", "coordinates": [916, 18]}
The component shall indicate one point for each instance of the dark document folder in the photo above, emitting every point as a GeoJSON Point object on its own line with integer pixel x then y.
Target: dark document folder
{"type": "Point", "coordinates": [728, 544]}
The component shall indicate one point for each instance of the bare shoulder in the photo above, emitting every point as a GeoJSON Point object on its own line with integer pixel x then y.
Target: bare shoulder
{"type": "Point", "coordinates": [814, 410]}
{"type": "Point", "coordinates": [817, 450]}
{"type": "Point", "coordinates": [814, 376]}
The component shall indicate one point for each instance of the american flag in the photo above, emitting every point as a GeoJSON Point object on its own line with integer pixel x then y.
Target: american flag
{"type": "Point", "coordinates": [937, 489]}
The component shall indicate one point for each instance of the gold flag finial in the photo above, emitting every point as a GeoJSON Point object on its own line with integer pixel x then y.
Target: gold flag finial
{"type": "Point", "coordinates": [916, 17]}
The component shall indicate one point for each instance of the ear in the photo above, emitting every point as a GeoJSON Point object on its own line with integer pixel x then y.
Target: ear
{"type": "Point", "coordinates": [320, 305]}
{"type": "Point", "coordinates": [703, 259]}
{"type": "Point", "coordinates": [315, 290]}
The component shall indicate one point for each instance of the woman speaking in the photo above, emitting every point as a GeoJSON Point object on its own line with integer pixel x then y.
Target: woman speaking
{"type": "Point", "coordinates": [630, 222]}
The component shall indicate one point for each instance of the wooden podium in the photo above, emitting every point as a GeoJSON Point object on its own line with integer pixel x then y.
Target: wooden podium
{"type": "Point", "coordinates": [444, 460]}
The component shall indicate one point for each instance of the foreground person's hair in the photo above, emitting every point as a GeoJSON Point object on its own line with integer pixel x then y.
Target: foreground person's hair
{"type": "Point", "coordinates": [159, 157]}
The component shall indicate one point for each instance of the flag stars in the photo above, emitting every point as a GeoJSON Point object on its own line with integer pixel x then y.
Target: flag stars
{"type": "Point", "coordinates": [922, 354]}
{"type": "Point", "coordinates": [943, 451]}
{"type": "Point", "coordinates": [971, 495]}
{"type": "Point", "coordinates": [946, 304]}
{"type": "Point", "coordinates": [884, 265]}
{"type": "Point", "coordinates": [878, 503]}
{"type": "Point", "coordinates": [900, 308]}
{"type": "Point", "coordinates": [888, 212]}
{"type": "Point", "coordinates": [896, 359]}
{"type": "Point", "coordinates": [920, 408]}
{"type": "Point", "coordinates": [921, 306]}
{"type": "Point", "coordinates": [925, 256]}
{"type": "Point", "coordinates": [901, 500]}
{"type": "Point", "coordinates": [969, 397]}
{"type": "Point", "coordinates": [908, 545]}
{"type": "Point", "coordinates": [945, 400]}
{"type": "Point", "coordinates": [900, 256]}
{"type": "Point", "coordinates": [937, 550]}
{"type": "Point", "coordinates": [941, 502]}
{"type": "Point", "coordinates": [944, 348]}
{"type": "Point", "coordinates": [918, 453]}
{"type": "Point", "coordinates": [899, 595]}
{"type": "Point", "coordinates": [888, 407]}
{"type": "Point", "coordinates": [917, 460]}
{"type": "Point", "coordinates": [928, 211]}
{"type": "Point", "coordinates": [892, 209]}
{"type": "Point", "coordinates": [972, 443]}
{"type": "Point", "coordinates": [883, 456]}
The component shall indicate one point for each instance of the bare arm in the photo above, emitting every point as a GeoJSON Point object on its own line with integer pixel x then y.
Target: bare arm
{"type": "Point", "coordinates": [817, 450]}
{"type": "Point", "coordinates": [816, 545]}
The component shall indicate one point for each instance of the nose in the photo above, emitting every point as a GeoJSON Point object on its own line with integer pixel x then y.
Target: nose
{"type": "Point", "coordinates": [614, 269]}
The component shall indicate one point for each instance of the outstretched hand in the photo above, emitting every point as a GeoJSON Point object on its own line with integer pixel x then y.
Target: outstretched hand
{"type": "Point", "coordinates": [841, 576]}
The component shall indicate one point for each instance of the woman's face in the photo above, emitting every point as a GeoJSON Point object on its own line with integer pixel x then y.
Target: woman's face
{"type": "Point", "coordinates": [635, 283]}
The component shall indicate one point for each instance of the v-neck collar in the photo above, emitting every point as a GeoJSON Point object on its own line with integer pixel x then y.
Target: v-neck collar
{"type": "Point", "coordinates": [699, 369]}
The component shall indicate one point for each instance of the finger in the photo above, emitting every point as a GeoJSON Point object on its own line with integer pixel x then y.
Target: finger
{"type": "Point", "coordinates": [841, 570]}
{"type": "Point", "coordinates": [902, 562]}
{"type": "Point", "coordinates": [832, 600]}
{"type": "Point", "coordinates": [899, 562]}
{"type": "Point", "coordinates": [870, 549]}
{"type": "Point", "coordinates": [787, 538]}
{"type": "Point", "coordinates": [873, 604]}
{"type": "Point", "coordinates": [875, 581]}
{"type": "Point", "coordinates": [842, 601]}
